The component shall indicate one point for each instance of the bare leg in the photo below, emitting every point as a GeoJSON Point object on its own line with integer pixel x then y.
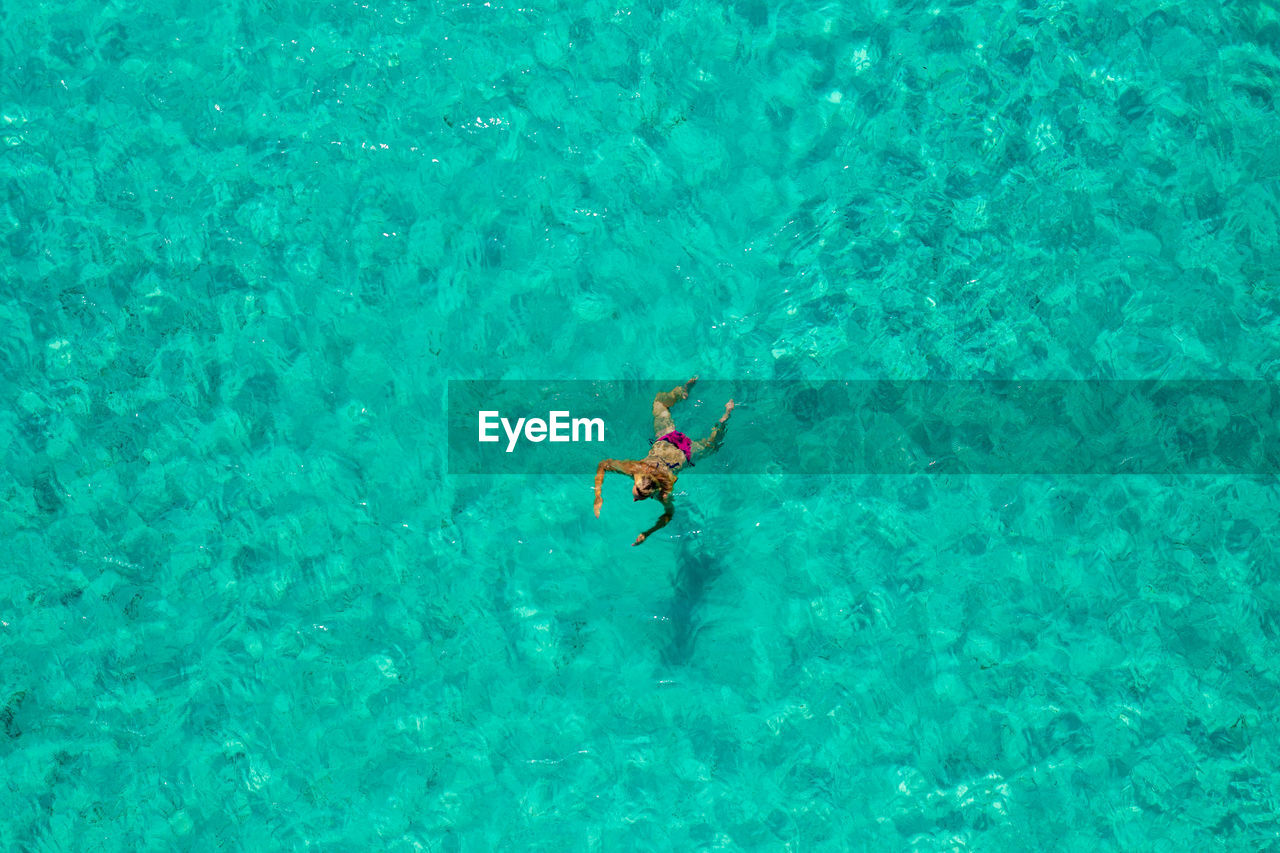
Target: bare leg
{"type": "Point", "coordinates": [676, 394]}
{"type": "Point", "coordinates": [662, 423]}
{"type": "Point", "coordinates": [662, 403]}
{"type": "Point", "coordinates": [711, 443]}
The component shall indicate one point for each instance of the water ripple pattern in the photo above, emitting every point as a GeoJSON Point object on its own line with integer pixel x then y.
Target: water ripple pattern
{"type": "Point", "coordinates": [244, 245]}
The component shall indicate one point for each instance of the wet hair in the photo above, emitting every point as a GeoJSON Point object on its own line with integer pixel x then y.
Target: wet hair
{"type": "Point", "coordinates": [657, 480]}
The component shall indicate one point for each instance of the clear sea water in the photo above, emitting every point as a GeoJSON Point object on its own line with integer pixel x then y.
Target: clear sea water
{"type": "Point", "coordinates": [244, 246]}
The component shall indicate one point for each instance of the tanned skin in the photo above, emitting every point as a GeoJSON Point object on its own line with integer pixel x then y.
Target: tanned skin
{"type": "Point", "coordinates": [653, 476]}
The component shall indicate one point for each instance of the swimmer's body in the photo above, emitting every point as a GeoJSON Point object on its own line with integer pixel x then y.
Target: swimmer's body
{"type": "Point", "coordinates": [655, 475]}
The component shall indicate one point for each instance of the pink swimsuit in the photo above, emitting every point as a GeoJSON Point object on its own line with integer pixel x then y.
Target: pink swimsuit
{"type": "Point", "coordinates": [681, 441]}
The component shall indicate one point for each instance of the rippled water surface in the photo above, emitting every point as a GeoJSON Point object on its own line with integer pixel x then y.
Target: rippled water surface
{"type": "Point", "coordinates": [244, 246]}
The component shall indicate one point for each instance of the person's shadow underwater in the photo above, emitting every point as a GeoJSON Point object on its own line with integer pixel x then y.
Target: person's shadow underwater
{"type": "Point", "coordinates": [698, 565]}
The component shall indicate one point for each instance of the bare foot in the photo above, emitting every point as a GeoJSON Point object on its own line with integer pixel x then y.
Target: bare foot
{"type": "Point", "coordinates": [682, 392]}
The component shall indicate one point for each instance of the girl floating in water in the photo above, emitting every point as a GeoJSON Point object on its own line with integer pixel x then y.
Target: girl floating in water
{"type": "Point", "coordinates": [655, 475]}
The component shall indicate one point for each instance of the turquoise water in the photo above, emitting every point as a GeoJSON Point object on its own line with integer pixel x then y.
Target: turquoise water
{"type": "Point", "coordinates": [244, 246]}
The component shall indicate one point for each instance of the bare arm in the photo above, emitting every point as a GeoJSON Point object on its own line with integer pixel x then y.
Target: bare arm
{"type": "Point", "coordinates": [711, 443]}
{"type": "Point", "coordinates": [669, 509]}
{"type": "Point", "coordinates": [622, 466]}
